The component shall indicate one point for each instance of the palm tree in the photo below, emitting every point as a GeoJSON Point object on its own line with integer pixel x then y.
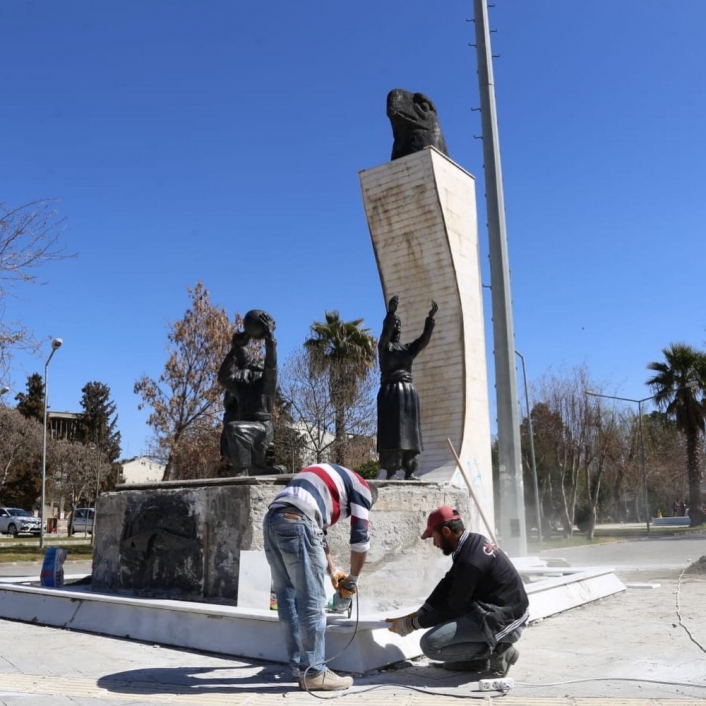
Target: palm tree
{"type": "Point", "coordinates": [678, 386]}
{"type": "Point", "coordinates": [346, 352]}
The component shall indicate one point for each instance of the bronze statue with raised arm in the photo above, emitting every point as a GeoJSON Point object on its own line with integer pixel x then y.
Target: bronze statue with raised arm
{"type": "Point", "coordinates": [399, 440]}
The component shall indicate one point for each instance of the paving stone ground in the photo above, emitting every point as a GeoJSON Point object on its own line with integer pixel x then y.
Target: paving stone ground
{"type": "Point", "coordinates": [642, 646]}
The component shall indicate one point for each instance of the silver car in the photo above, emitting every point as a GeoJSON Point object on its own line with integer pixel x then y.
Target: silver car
{"type": "Point", "coordinates": [82, 520]}
{"type": "Point", "coordinates": [14, 521]}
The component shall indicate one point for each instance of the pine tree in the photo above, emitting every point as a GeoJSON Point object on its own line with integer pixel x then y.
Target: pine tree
{"type": "Point", "coordinates": [98, 421]}
{"type": "Point", "coordinates": [31, 403]}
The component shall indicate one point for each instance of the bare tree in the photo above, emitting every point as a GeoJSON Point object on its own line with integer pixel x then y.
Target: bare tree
{"type": "Point", "coordinates": [75, 471]}
{"type": "Point", "coordinates": [197, 454]}
{"type": "Point", "coordinates": [20, 444]}
{"type": "Point", "coordinates": [665, 449]}
{"type": "Point", "coordinates": [602, 453]}
{"type": "Point", "coordinates": [307, 390]}
{"type": "Point", "coordinates": [29, 238]}
{"type": "Point", "coordinates": [187, 398]}
{"type": "Point", "coordinates": [575, 439]}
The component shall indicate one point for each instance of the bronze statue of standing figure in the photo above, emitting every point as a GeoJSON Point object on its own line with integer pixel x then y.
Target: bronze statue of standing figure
{"type": "Point", "coordinates": [399, 419]}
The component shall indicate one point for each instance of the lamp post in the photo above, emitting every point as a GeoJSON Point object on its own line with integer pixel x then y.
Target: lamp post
{"type": "Point", "coordinates": [532, 457]}
{"type": "Point", "coordinates": [642, 443]}
{"type": "Point", "coordinates": [688, 385]}
{"type": "Point", "coordinates": [55, 345]}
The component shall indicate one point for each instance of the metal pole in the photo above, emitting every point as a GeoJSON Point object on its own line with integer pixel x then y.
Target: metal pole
{"type": "Point", "coordinates": [532, 457]}
{"type": "Point", "coordinates": [642, 439]}
{"type": "Point", "coordinates": [644, 466]}
{"type": "Point", "coordinates": [512, 508]}
{"type": "Point", "coordinates": [44, 450]}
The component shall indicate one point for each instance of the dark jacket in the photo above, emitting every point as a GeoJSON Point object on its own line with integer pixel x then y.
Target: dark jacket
{"type": "Point", "coordinates": [482, 582]}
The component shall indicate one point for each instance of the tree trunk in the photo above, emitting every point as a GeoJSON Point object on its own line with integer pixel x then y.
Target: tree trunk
{"type": "Point", "coordinates": [339, 452]}
{"type": "Point", "coordinates": [618, 509]}
{"type": "Point", "coordinates": [693, 463]}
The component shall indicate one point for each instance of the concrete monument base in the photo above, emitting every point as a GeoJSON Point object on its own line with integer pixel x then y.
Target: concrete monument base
{"type": "Point", "coordinates": [200, 541]}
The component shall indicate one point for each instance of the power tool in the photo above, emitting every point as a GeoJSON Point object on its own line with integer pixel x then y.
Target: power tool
{"type": "Point", "coordinates": [340, 604]}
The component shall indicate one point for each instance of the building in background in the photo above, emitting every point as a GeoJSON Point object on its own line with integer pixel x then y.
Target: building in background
{"type": "Point", "coordinates": [141, 469]}
{"type": "Point", "coordinates": [63, 425]}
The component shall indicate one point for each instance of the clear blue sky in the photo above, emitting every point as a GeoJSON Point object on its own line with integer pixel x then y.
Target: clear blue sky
{"type": "Point", "coordinates": [221, 141]}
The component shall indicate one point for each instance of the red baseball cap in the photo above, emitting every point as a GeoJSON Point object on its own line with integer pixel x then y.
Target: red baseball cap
{"type": "Point", "coordinates": [438, 517]}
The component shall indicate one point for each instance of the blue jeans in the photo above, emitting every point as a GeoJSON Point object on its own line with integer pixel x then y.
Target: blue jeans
{"type": "Point", "coordinates": [460, 640]}
{"type": "Point", "coordinates": [295, 551]}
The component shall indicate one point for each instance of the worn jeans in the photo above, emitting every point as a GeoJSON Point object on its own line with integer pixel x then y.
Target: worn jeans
{"type": "Point", "coordinates": [295, 551]}
{"type": "Point", "coordinates": [460, 640]}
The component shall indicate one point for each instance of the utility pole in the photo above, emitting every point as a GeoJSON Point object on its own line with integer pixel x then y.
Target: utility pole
{"type": "Point", "coordinates": [512, 508]}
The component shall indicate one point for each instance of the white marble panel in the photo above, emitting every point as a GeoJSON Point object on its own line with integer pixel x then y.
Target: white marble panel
{"type": "Point", "coordinates": [421, 212]}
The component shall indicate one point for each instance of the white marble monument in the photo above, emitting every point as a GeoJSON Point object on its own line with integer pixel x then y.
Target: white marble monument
{"type": "Point", "coordinates": [421, 211]}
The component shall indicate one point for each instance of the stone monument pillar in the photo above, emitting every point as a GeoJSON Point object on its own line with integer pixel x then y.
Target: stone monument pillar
{"type": "Point", "coordinates": [421, 211]}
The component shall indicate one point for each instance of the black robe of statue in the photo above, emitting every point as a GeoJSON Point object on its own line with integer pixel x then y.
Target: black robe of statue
{"type": "Point", "coordinates": [399, 418]}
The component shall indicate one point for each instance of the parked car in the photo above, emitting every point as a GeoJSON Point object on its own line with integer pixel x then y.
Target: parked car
{"type": "Point", "coordinates": [82, 520]}
{"type": "Point", "coordinates": [14, 521]}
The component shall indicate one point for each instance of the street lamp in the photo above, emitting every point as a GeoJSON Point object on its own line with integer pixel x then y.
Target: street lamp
{"type": "Point", "coordinates": [532, 457]}
{"type": "Point", "coordinates": [3, 390]}
{"type": "Point", "coordinates": [642, 442]}
{"type": "Point", "coordinates": [55, 345]}
{"type": "Point", "coordinates": [688, 385]}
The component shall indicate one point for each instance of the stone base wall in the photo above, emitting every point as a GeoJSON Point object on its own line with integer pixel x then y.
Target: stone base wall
{"type": "Point", "coordinates": [183, 540]}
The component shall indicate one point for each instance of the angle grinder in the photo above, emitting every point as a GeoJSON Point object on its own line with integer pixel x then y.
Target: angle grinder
{"type": "Point", "coordinates": [340, 605]}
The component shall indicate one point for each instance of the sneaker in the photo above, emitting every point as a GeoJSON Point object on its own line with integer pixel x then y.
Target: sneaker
{"type": "Point", "coordinates": [503, 658]}
{"type": "Point", "coordinates": [326, 681]}
{"type": "Point", "coordinates": [469, 665]}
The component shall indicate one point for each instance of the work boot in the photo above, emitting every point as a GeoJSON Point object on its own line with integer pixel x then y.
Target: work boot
{"type": "Point", "coordinates": [326, 681]}
{"type": "Point", "coordinates": [468, 665]}
{"type": "Point", "coordinates": [504, 656]}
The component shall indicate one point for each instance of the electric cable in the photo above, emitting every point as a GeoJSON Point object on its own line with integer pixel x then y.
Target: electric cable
{"type": "Point", "coordinates": [375, 687]}
{"type": "Point", "coordinates": [420, 689]}
{"type": "Point", "coordinates": [336, 656]}
{"type": "Point", "coordinates": [632, 679]}
{"type": "Point", "coordinates": [526, 685]}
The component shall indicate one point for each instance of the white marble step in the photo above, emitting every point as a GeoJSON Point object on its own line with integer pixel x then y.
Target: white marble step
{"type": "Point", "coordinates": [254, 633]}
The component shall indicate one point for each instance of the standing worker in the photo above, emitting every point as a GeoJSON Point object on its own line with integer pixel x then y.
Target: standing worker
{"type": "Point", "coordinates": [294, 528]}
{"type": "Point", "coordinates": [478, 610]}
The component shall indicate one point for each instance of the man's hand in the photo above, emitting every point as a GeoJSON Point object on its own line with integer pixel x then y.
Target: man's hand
{"type": "Point", "coordinates": [348, 585]}
{"type": "Point", "coordinates": [337, 577]}
{"type": "Point", "coordinates": [434, 309]}
{"type": "Point", "coordinates": [392, 304]}
{"type": "Point", "coordinates": [402, 626]}
{"type": "Point", "coordinates": [268, 323]}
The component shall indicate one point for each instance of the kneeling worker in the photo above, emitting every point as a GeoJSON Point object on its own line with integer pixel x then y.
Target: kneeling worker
{"type": "Point", "coordinates": [294, 527]}
{"type": "Point", "coordinates": [478, 610]}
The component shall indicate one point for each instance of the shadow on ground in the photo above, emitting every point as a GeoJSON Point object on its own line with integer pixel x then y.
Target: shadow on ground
{"type": "Point", "coordinates": [198, 680]}
{"type": "Point", "coordinates": [271, 679]}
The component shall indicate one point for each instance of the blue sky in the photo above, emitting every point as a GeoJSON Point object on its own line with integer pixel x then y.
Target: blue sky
{"type": "Point", "coordinates": [221, 141]}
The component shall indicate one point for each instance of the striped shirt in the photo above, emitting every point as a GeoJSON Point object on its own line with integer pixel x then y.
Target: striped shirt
{"type": "Point", "coordinates": [327, 493]}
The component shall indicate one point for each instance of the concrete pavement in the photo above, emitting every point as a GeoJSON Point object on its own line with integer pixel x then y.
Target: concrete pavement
{"type": "Point", "coordinates": [639, 646]}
